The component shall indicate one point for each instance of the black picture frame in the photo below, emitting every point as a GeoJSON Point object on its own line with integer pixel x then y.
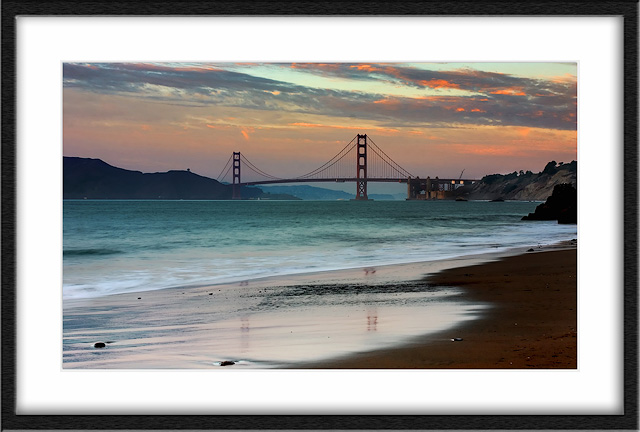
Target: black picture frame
{"type": "Point", "coordinates": [14, 8]}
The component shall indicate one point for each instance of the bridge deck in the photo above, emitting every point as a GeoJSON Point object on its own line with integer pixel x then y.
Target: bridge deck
{"type": "Point", "coordinates": [353, 179]}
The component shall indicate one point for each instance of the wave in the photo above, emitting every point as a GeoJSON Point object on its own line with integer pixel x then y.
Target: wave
{"type": "Point", "coordinates": [90, 252]}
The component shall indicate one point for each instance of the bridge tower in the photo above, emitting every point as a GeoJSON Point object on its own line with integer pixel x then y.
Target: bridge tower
{"type": "Point", "coordinates": [361, 164]}
{"type": "Point", "coordinates": [236, 176]}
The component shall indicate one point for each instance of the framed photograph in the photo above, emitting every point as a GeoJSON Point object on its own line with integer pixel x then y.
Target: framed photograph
{"type": "Point", "coordinates": [229, 216]}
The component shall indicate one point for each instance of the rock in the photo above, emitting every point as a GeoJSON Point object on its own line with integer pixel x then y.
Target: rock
{"type": "Point", "coordinates": [99, 345]}
{"type": "Point", "coordinates": [456, 339]}
{"type": "Point", "coordinates": [568, 215]}
{"type": "Point", "coordinates": [530, 250]}
{"type": "Point", "coordinates": [227, 363]}
{"type": "Point", "coordinates": [562, 206]}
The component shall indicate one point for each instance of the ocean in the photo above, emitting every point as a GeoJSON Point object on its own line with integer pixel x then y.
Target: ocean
{"type": "Point", "coordinates": [114, 247]}
{"type": "Point", "coordinates": [127, 247]}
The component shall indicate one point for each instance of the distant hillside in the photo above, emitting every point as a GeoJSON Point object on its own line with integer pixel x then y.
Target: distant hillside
{"type": "Point", "coordinates": [522, 185]}
{"type": "Point", "coordinates": [387, 197]}
{"type": "Point", "coordinates": [314, 193]}
{"type": "Point", "coordinates": [96, 179]}
{"type": "Point", "coordinates": [307, 192]}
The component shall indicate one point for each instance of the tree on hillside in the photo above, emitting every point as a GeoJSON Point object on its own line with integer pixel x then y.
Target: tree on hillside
{"type": "Point", "coordinates": [550, 168]}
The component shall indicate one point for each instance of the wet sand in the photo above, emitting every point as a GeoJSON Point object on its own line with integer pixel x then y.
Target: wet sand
{"type": "Point", "coordinates": [532, 324]}
{"type": "Point", "coordinates": [525, 318]}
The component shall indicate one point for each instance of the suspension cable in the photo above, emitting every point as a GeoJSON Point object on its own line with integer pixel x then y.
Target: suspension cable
{"type": "Point", "coordinates": [258, 170]}
{"type": "Point", "coordinates": [393, 163]}
{"type": "Point", "coordinates": [332, 161]}
{"type": "Point", "coordinates": [225, 168]}
{"type": "Point", "coordinates": [227, 173]}
{"type": "Point", "coordinates": [383, 168]}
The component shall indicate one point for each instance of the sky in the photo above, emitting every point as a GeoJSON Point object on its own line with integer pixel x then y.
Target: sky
{"type": "Point", "coordinates": [433, 119]}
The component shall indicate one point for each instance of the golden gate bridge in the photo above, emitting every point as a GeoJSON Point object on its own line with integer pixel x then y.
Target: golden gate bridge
{"type": "Point", "coordinates": [372, 165]}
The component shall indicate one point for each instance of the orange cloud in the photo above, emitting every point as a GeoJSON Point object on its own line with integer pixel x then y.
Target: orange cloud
{"type": "Point", "coordinates": [316, 125]}
{"type": "Point", "coordinates": [245, 134]}
{"type": "Point", "coordinates": [307, 125]}
{"type": "Point", "coordinates": [565, 79]}
{"type": "Point", "coordinates": [459, 109]}
{"type": "Point", "coordinates": [359, 128]}
{"type": "Point", "coordinates": [366, 67]}
{"type": "Point", "coordinates": [386, 102]}
{"type": "Point", "coordinates": [511, 91]}
{"type": "Point", "coordinates": [438, 83]}
{"type": "Point", "coordinates": [524, 131]}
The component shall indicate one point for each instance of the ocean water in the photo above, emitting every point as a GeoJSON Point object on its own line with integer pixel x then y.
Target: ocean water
{"type": "Point", "coordinates": [112, 247]}
{"type": "Point", "coordinates": [216, 255]}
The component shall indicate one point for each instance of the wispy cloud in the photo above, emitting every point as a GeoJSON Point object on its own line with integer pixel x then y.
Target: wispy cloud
{"type": "Point", "coordinates": [487, 98]}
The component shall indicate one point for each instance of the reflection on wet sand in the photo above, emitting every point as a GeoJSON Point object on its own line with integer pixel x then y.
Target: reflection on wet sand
{"type": "Point", "coordinates": [262, 324]}
{"type": "Point", "coordinates": [244, 334]}
{"type": "Point", "coordinates": [372, 319]}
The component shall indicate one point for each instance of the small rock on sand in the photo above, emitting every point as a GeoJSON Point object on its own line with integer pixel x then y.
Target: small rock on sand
{"type": "Point", "coordinates": [227, 363]}
{"type": "Point", "coordinates": [99, 345]}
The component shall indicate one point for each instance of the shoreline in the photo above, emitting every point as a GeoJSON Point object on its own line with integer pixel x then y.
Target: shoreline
{"type": "Point", "coordinates": [395, 272]}
{"type": "Point", "coordinates": [147, 328]}
{"type": "Point", "coordinates": [532, 324]}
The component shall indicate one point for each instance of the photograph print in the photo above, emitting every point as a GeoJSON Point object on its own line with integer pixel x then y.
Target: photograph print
{"type": "Point", "coordinates": [319, 216]}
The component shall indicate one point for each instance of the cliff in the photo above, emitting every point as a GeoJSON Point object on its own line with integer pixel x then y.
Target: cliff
{"type": "Point", "coordinates": [521, 185]}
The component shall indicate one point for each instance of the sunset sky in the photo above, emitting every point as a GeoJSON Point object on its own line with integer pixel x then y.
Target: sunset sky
{"type": "Point", "coordinates": [434, 119]}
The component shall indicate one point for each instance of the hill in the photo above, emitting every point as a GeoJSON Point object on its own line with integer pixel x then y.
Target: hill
{"type": "Point", "coordinates": [96, 179]}
{"type": "Point", "coordinates": [522, 185]}
{"type": "Point", "coordinates": [306, 192]}
{"type": "Point", "coordinates": [314, 193]}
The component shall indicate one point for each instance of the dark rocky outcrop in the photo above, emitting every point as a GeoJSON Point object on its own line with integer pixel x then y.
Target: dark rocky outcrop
{"type": "Point", "coordinates": [99, 345]}
{"type": "Point", "coordinates": [562, 206]}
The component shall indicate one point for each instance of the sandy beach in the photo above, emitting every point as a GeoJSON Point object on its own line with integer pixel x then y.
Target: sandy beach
{"type": "Point", "coordinates": [532, 324]}
{"type": "Point", "coordinates": [510, 312]}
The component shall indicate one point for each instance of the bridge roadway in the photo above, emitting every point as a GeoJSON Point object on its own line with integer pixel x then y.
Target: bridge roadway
{"type": "Point", "coordinates": [354, 179]}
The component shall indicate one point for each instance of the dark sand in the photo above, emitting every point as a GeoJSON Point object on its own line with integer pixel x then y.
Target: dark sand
{"type": "Point", "coordinates": [532, 324]}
